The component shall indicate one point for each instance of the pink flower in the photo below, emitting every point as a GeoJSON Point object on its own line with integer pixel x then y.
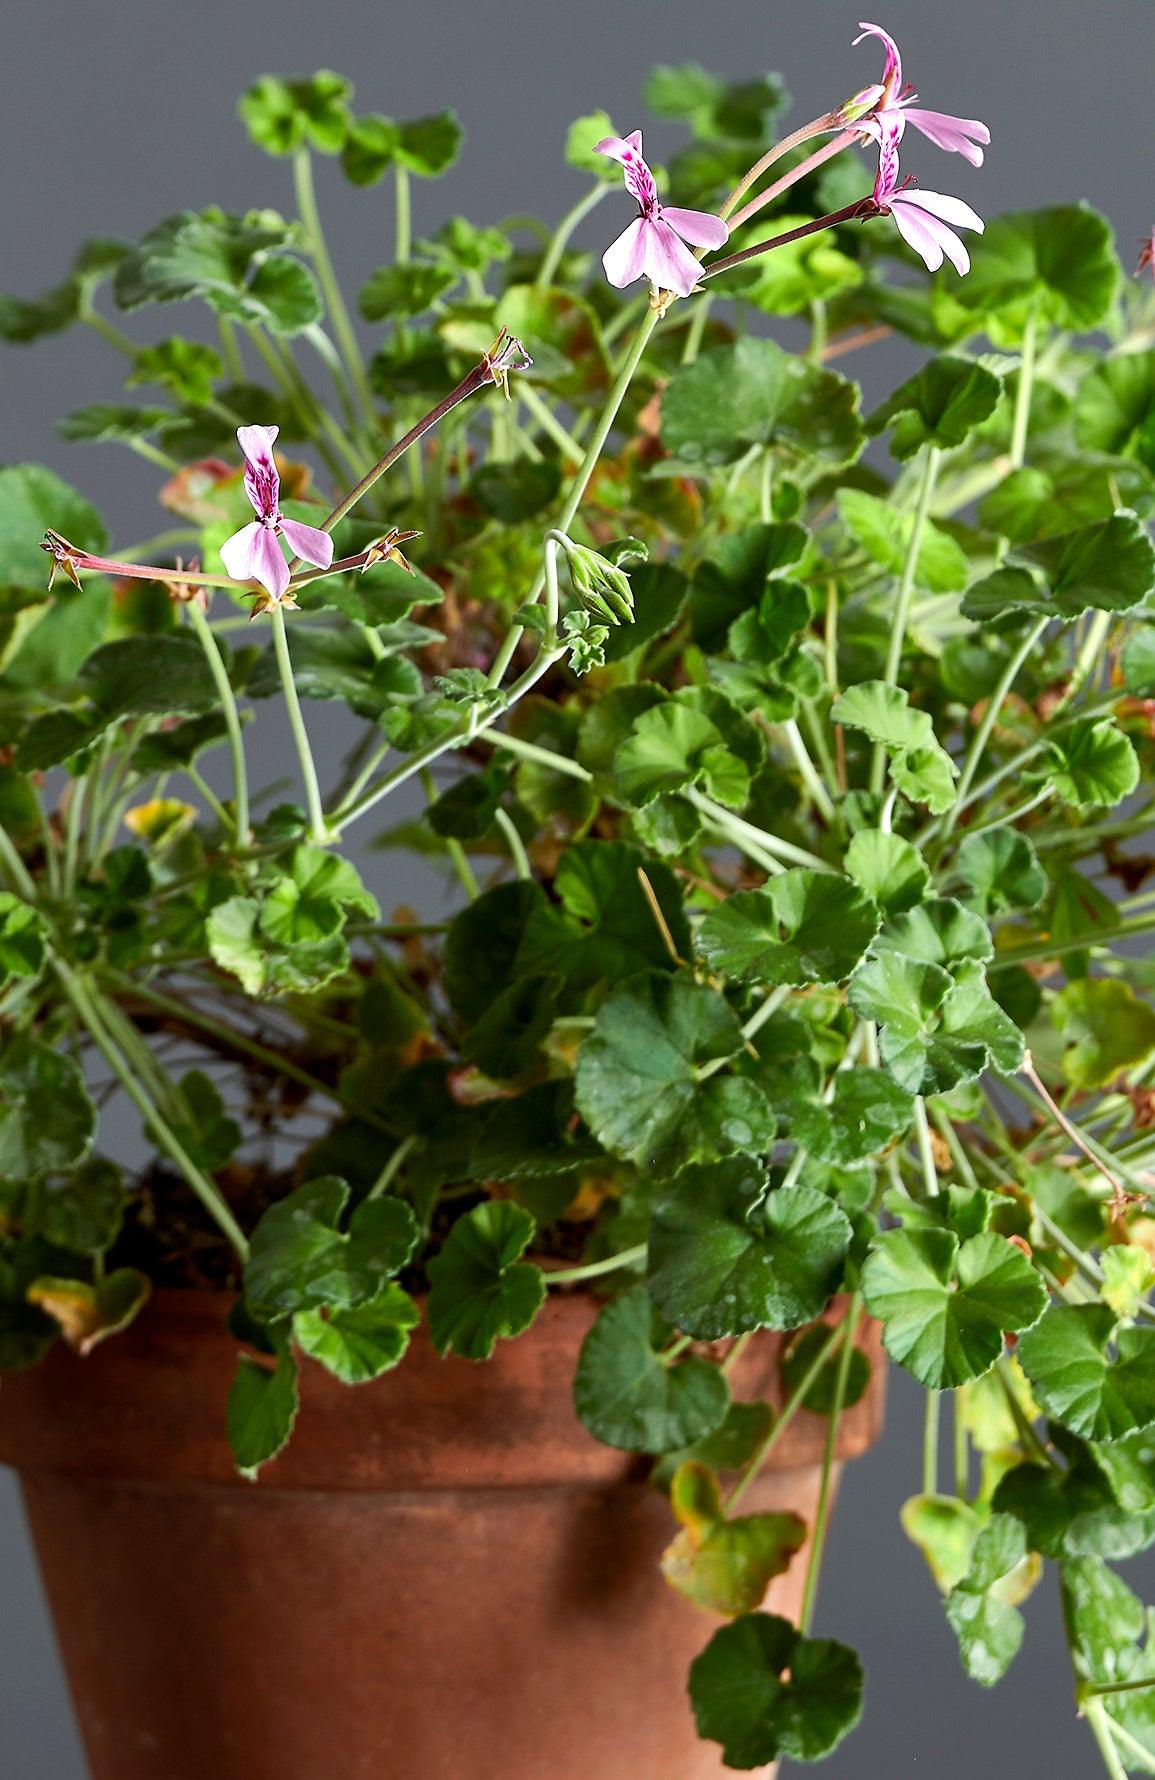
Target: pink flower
{"type": "Point", "coordinates": [254, 553]}
{"type": "Point", "coordinates": [653, 246]}
{"type": "Point", "coordinates": [1147, 255]}
{"type": "Point", "coordinates": [923, 219]}
{"type": "Point", "coordinates": [895, 108]}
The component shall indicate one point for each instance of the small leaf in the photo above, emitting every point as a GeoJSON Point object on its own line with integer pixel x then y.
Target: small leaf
{"type": "Point", "coordinates": [804, 927]}
{"type": "Point", "coordinates": [429, 145]}
{"type": "Point", "coordinates": [1107, 1029]}
{"type": "Point", "coordinates": [299, 1259]}
{"type": "Point", "coordinates": [724, 1565]}
{"type": "Point", "coordinates": [891, 871]}
{"type": "Point", "coordinates": [480, 1288]}
{"type": "Point", "coordinates": [726, 1256]}
{"type": "Point", "coordinates": [940, 405]}
{"type": "Point", "coordinates": [262, 1408]}
{"type": "Point", "coordinates": [404, 290]}
{"type": "Point", "coordinates": [1001, 872]}
{"type": "Point", "coordinates": [1077, 1382]}
{"type": "Point", "coordinates": [89, 1314]}
{"type": "Point", "coordinates": [866, 1112]}
{"type": "Point", "coordinates": [760, 1689]}
{"type": "Point", "coordinates": [945, 1530]}
{"type": "Point", "coordinates": [22, 936]}
{"type": "Point", "coordinates": [361, 1341]}
{"type": "Point", "coordinates": [281, 115]}
{"type": "Point", "coordinates": [945, 1306]}
{"type": "Point", "coordinates": [581, 142]}
{"type": "Point", "coordinates": [47, 1119]}
{"type": "Point", "coordinates": [629, 1398]}
{"type": "Point", "coordinates": [1091, 764]}
{"type": "Point", "coordinates": [884, 532]}
{"type": "Point", "coordinates": [987, 1625]}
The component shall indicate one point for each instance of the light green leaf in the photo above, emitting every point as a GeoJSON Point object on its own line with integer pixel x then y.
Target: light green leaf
{"type": "Point", "coordinates": [47, 1118]}
{"type": "Point", "coordinates": [884, 531]}
{"type": "Point", "coordinates": [281, 115]}
{"type": "Point", "coordinates": [361, 1341]}
{"type": "Point", "coordinates": [1001, 872]}
{"type": "Point", "coordinates": [1059, 264]}
{"type": "Point", "coordinates": [988, 1627]}
{"type": "Point", "coordinates": [891, 871]}
{"type": "Point", "coordinates": [262, 1408]}
{"type": "Point", "coordinates": [1107, 1029]}
{"type": "Point", "coordinates": [480, 1288]}
{"type": "Point", "coordinates": [1091, 763]}
{"type": "Point", "coordinates": [300, 1259]}
{"type": "Point", "coordinates": [804, 927]}
{"type": "Point", "coordinates": [1079, 1384]}
{"type": "Point", "coordinates": [22, 936]}
{"type": "Point", "coordinates": [724, 1565]}
{"type": "Point", "coordinates": [940, 405]}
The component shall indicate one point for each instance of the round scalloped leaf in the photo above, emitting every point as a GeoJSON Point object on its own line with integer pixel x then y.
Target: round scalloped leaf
{"type": "Point", "coordinates": [480, 1288]}
{"type": "Point", "coordinates": [1079, 1383]}
{"type": "Point", "coordinates": [627, 1396]}
{"type": "Point", "coordinates": [754, 393]}
{"type": "Point", "coordinates": [760, 1689]}
{"type": "Point", "coordinates": [939, 931]}
{"type": "Point", "coordinates": [281, 115]}
{"type": "Point", "coordinates": [867, 1111]}
{"type": "Point", "coordinates": [1115, 407]}
{"type": "Point", "coordinates": [891, 871]}
{"type": "Point", "coordinates": [944, 1306]}
{"type": "Point", "coordinates": [47, 1119]}
{"type": "Point", "coordinates": [940, 405]}
{"type": "Point", "coordinates": [1092, 764]}
{"type": "Point", "coordinates": [986, 1622]}
{"type": "Point", "coordinates": [1001, 871]}
{"type": "Point", "coordinates": [358, 1342]}
{"type": "Point", "coordinates": [725, 1255]}
{"type": "Point", "coordinates": [1107, 1029]}
{"type": "Point", "coordinates": [605, 928]}
{"type": "Point", "coordinates": [804, 927]}
{"type": "Point", "coordinates": [1059, 264]}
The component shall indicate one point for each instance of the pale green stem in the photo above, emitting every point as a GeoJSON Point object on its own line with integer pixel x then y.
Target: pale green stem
{"type": "Point", "coordinates": [951, 1138]}
{"type": "Point", "coordinates": [903, 597]}
{"type": "Point", "coordinates": [402, 215]}
{"type": "Point", "coordinates": [565, 228]}
{"type": "Point", "coordinates": [829, 1455]}
{"type": "Point", "coordinates": [572, 1276]}
{"type": "Point", "coordinates": [17, 869]}
{"type": "Point", "coordinates": [548, 421]}
{"type": "Point", "coordinates": [695, 333]}
{"type": "Point", "coordinates": [152, 454]}
{"type": "Point", "coordinates": [208, 1194]}
{"type": "Point", "coordinates": [786, 1415]}
{"type": "Point", "coordinates": [925, 1148]}
{"type": "Point", "coordinates": [1102, 1726]}
{"type": "Point", "coordinates": [392, 1168]}
{"type": "Point", "coordinates": [581, 480]}
{"type": "Point", "coordinates": [988, 720]}
{"type": "Point", "coordinates": [515, 844]}
{"type": "Point", "coordinates": [557, 763]}
{"type": "Point", "coordinates": [1010, 817]}
{"type": "Point", "coordinates": [77, 794]}
{"type": "Point", "coordinates": [100, 325]}
{"type": "Point", "coordinates": [231, 715]}
{"type": "Point", "coordinates": [1089, 658]}
{"type": "Point", "coordinates": [1022, 419]}
{"type": "Point", "coordinates": [318, 829]}
{"type": "Point", "coordinates": [743, 831]}
{"type": "Point", "coordinates": [766, 1011]}
{"type": "Point", "coordinates": [930, 1445]}
{"type": "Point", "coordinates": [766, 487]}
{"type": "Point", "coordinates": [330, 288]}
{"type": "Point", "coordinates": [819, 795]}
{"type": "Point", "coordinates": [230, 351]}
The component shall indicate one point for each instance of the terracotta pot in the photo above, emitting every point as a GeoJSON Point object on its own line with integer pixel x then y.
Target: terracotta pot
{"type": "Point", "coordinates": [442, 1578]}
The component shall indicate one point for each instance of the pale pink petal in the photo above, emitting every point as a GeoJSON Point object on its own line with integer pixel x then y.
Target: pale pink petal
{"type": "Point", "coordinates": [308, 542]}
{"type": "Point", "coordinates": [625, 259]}
{"type": "Point", "coordinates": [668, 264]}
{"type": "Point", "coordinates": [951, 210]}
{"type": "Point", "coordinates": [621, 148]}
{"type": "Point", "coordinates": [923, 233]}
{"type": "Point", "coordinates": [262, 484]}
{"type": "Point", "coordinates": [889, 137]}
{"type": "Point", "coordinates": [965, 136]}
{"type": "Point", "coordinates": [241, 553]}
{"type": "Point", "coordinates": [272, 571]}
{"type": "Point", "coordinates": [892, 73]}
{"type": "Point", "coordinates": [697, 227]}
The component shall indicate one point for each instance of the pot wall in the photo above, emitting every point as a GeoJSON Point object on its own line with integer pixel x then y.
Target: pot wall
{"type": "Point", "coordinates": [442, 1576]}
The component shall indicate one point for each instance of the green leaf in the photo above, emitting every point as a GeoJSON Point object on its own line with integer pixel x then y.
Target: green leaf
{"type": "Point", "coordinates": [944, 1305]}
{"type": "Point", "coordinates": [754, 393]}
{"type": "Point", "coordinates": [81, 1211]}
{"type": "Point", "coordinates": [186, 367]}
{"type": "Point", "coordinates": [810, 270]}
{"type": "Point", "coordinates": [605, 928]}
{"type": "Point", "coordinates": [988, 1627]}
{"type": "Point", "coordinates": [515, 492]}
{"type": "Point", "coordinates": [1058, 264]}
{"type": "Point", "coordinates": [22, 936]}
{"type": "Point", "coordinates": [742, 569]}
{"type": "Point", "coordinates": [231, 936]}
{"type": "Point", "coordinates": [407, 289]}
{"type": "Point", "coordinates": [47, 1119]}
{"type": "Point", "coordinates": [629, 1398]}
{"type": "Point", "coordinates": [1079, 1384]}
{"type": "Point", "coordinates": [1137, 663]}
{"type": "Point", "coordinates": [89, 1313]}
{"type": "Point", "coordinates": [945, 1530]}
{"type": "Point", "coordinates": [726, 1255]}
{"type": "Point", "coordinates": [102, 422]}
{"type": "Point", "coordinates": [639, 1083]}
{"type": "Point", "coordinates": [1115, 407]}
{"type": "Point", "coordinates": [724, 1565]}
{"type": "Point", "coordinates": [480, 1288]}
{"type": "Point", "coordinates": [281, 115]}
{"type": "Point", "coordinates": [1108, 566]}
{"type": "Point", "coordinates": [370, 148]}
{"type": "Point", "coordinates": [299, 1259]}
{"type": "Point", "coordinates": [938, 931]}
{"type": "Point", "coordinates": [482, 945]}
{"type": "Point", "coordinates": [940, 405]}
{"type": "Point", "coordinates": [581, 142]}
{"type": "Point", "coordinates": [32, 499]}
{"type": "Point", "coordinates": [262, 1408]}
{"type": "Point", "coordinates": [24, 319]}
{"type": "Point", "coordinates": [761, 1689]}
{"type": "Point", "coordinates": [884, 531]}
{"type": "Point", "coordinates": [866, 1112]}
{"type": "Point", "coordinates": [430, 145]}
{"type": "Point", "coordinates": [1107, 1029]}
{"type": "Point", "coordinates": [731, 1446]}
{"type": "Point", "coordinates": [891, 871]}
{"type": "Point", "coordinates": [208, 1134]}
{"type": "Point", "coordinates": [1001, 872]}
{"type": "Point", "coordinates": [234, 263]}
{"type": "Point", "coordinates": [804, 927]}
{"type": "Point", "coordinates": [1091, 763]}
{"type": "Point", "coordinates": [820, 1398]}
{"type": "Point", "coordinates": [142, 676]}
{"type": "Point", "coordinates": [671, 748]}
{"type": "Point", "coordinates": [361, 1341]}
{"type": "Point", "coordinates": [885, 715]}
{"type": "Point", "coordinates": [937, 1030]}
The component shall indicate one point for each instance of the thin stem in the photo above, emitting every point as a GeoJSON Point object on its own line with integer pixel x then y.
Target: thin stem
{"type": "Point", "coordinates": [766, 1011]}
{"type": "Point", "coordinates": [819, 795]}
{"type": "Point", "coordinates": [572, 1276]}
{"type": "Point", "coordinates": [342, 326]}
{"type": "Point", "coordinates": [1102, 1726]}
{"type": "Point", "coordinates": [961, 1450]}
{"type": "Point", "coordinates": [402, 214]}
{"type": "Point", "coordinates": [743, 831]}
{"type": "Point", "coordinates": [557, 763]}
{"type": "Point", "coordinates": [826, 1487]}
{"type": "Point", "coordinates": [817, 127]}
{"type": "Point", "coordinates": [208, 1194]}
{"type": "Point", "coordinates": [17, 870]}
{"type": "Point", "coordinates": [230, 351]}
{"type": "Point", "coordinates": [548, 421]}
{"type": "Point", "coordinates": [515, 844]}
{"type": "Point", "coordinates": [925, 1148]}
{"type": "Point", "coordinates": [786, 1415]}
{"type": "Point", "coordinates": [1027, 1435]}
{"type": "Point", "coordinates": [989, 718]}
{"type": "Point", "coordinates": [1022, 419]}
{"type": "Point", "coordinates": [904, 595]}
{"type": "Point", "coordinates": [559, 241]}
{"type": "Point", "coordinates": [930, 1429]}
{"type": "Point", "coordinates": [231, 715]}
{"type": "Point", "coordinates": [100, 325]}
{"type": "Point", "coordinates": [861, 209]}
{"type": "Point", "coordinates": [318, 827]}
{"type": "Point", "coordinates": [392, 1168]}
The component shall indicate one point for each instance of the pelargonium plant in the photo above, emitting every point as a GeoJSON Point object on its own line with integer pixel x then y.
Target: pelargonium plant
{"type": "Point", "coordinates": [788, 760]}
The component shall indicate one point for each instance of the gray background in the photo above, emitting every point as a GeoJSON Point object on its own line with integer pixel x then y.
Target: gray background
{"type": "Point", "coordinates": [115, 115]}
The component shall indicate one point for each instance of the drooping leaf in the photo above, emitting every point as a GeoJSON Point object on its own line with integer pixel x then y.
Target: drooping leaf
{"type": "Point", "coordinates": [760, 1689]}
{"type": "Point", "coordinates": [940, 405]}
{"type": "Point", "coordinates": [1107, 1028]}
{"type": "Point", "coordinates": [359, 1342]}
{"type": "Point", "coordinates": [1091, 764]}
{"type": "Point", "coordinates": [89, 1313]}
{"type": "Point", "coordinates": [262, 1408]}
{"type": "Point", "coordinates": [627, 1396]}
{"type": "Point", "coordinates": [725, 1565]}
{"type": "Point", "coordinates": [988, 1626]}
{"type": "Point", "coordinates": [480, 1288]}
{"type": "Point", "coordinates": [1075, 1378]}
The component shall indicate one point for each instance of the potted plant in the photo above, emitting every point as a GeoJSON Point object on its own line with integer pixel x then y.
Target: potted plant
{"type": "Point", "coordinates": [540, 1259]}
